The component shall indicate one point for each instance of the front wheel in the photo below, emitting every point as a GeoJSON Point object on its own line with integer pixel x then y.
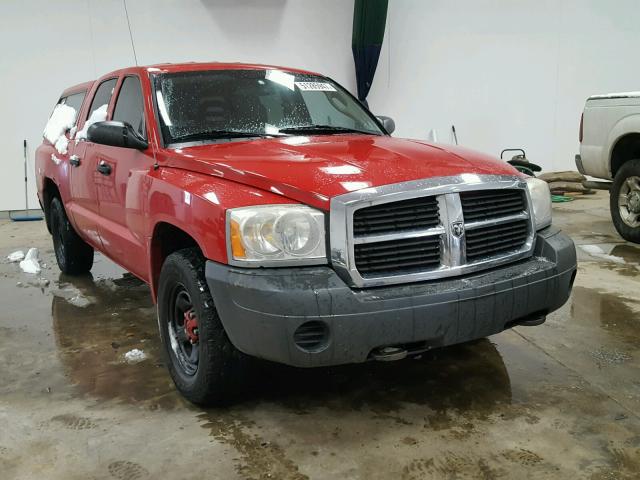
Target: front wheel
{"type": "Point", "coordinates": [204, 365]}
{"type": "Point", "coordinates": [625, 201]}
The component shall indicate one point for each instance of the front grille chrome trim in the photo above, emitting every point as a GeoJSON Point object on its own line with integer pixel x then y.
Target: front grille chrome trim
{"type": "Point", "coordinates": [385, 237]}
{"type": "Point", "coordinates": [496, 221]}
{"type": "Point", "coordinates": [453, 256]}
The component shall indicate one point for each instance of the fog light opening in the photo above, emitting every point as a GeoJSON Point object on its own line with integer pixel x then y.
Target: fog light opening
{"type": "Point", "coordinates": [312, 336]}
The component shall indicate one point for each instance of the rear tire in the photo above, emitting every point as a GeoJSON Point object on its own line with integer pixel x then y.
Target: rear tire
{"type": "Point", "coordinates": [210, 370]}
{"type": "Point", "coordinates": [624, 201]}
{"type": "Point", "coordinates": [74, 255]}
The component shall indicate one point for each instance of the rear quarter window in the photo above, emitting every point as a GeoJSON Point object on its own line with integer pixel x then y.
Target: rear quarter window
{"type": "Point", "coordinates": [74, 100]}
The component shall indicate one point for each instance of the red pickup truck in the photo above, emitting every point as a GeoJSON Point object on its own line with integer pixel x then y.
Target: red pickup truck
{"type": "Point", "coordinates": [274, 216]}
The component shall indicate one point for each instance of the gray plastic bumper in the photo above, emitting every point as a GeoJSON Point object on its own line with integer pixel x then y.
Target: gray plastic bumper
{"type": "Point", "coordinates": [262, 308]}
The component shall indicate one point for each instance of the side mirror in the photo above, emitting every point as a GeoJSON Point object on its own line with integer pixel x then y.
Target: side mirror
{"type": "Point", "coordinates": [116, 134]}
{"type": "Point", "coordinates": [388, 123]}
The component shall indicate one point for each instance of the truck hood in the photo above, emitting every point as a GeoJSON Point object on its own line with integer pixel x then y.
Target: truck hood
{"type": "Point", "coordinates": [314, 169]}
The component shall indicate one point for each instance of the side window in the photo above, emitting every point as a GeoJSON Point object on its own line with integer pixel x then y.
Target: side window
{"type": "Point", "coordinates": [75, 101]}
{"type": "Point", "coordinates": [103, 95]}
{"type": "Point", "coordinates": [130, 106]}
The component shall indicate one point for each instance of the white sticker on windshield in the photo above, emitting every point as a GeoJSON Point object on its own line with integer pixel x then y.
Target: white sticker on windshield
{"type": "Point", "coordinates": [315, 86]}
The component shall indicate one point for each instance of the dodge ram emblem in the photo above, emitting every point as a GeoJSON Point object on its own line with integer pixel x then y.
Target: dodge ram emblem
{"type": "Point", "coordinates": [457, 229]}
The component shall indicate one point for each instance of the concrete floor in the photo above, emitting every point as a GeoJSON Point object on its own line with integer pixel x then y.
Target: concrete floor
{"type": "Point", "coordinates": [561, 400]}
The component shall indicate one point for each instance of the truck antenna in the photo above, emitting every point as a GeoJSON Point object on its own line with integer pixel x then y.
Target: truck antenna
{"type": "Point", "coordinates": [133, 47]}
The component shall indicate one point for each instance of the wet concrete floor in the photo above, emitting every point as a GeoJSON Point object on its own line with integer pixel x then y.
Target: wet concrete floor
{"type": "Point", "coordinates": [561, 400]}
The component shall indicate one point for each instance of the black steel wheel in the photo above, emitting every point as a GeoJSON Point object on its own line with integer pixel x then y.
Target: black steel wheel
{"type": "Point", "coordinates": [183, 331]}
{"type": "Point", "coordinates": [203, 363]}
{"type": "Point", "coordinates": [74, 255]}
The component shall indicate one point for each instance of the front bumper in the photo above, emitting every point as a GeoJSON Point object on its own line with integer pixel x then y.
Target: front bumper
{"type": "Point", "coordinates": [261, 309]}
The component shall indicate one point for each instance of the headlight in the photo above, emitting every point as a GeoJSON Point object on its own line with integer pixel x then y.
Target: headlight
{"type": "Point", "coordinates": [541, 200]}
{"type": "Point", "coordinates": [276, 235]}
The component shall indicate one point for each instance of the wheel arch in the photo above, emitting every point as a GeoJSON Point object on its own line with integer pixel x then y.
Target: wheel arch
{"type": "Point", "coordinates": [166, 239]}
{"type": "Point", "coordinates": [626, 147]}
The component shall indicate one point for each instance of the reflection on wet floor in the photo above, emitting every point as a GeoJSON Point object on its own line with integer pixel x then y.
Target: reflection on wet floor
{"type": "Point", "coordinates": [119, 316]}
{"type": "Point", "coordinates": [95, 323]}
{"type": "Point", "coordinates": [606, 312]}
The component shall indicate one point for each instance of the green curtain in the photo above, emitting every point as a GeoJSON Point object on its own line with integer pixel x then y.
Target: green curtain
{"type": "Point", "coordinates": [369, 19]}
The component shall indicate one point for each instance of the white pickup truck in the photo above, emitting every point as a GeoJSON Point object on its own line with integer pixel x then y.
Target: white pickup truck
{"type": "Point", "coordinates": [610, 150]}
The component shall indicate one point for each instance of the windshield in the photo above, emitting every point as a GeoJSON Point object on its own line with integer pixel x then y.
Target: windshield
{"type": "Point", "coordinates": [208, 105]}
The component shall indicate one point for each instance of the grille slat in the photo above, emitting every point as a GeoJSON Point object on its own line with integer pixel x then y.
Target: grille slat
{"type": "Point", "coordinates": [407, 251]}
{"type": "Point", "coordinates": [413, 214]}
{"type": "Point", "coordinates": [398, 258]}
{"type": "Point", "coordinates": [375, 212]}
{"type": "Point", "coordinates": [489, 204]}
{"type": "Point", "coordinates": [385, 247]}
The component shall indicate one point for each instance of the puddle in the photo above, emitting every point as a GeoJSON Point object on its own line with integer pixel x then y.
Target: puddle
{"type": "Point", "coordinates": [629, 253]}
{"type": "Point", "coordinates": [621, 258]}
{"type": "Point", "coordinates": [605, 313]}
{"type": "Point", "coordinates": [94, 336]}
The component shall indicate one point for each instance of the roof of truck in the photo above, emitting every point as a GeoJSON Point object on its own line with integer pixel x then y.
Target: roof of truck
{"type": "Point", "coordinates": [615, 95]}
{"type": "Point", "coordinates": [190, 66]}
{"type": "Point", "coordinates": [81, 87]}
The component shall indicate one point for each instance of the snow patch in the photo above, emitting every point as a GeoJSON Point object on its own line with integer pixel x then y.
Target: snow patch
{"type": "Point", "coordinates": [30, 264]}
{"type": "Point", "coordinates": [596, 251]}
{"type": "Point", "coordinates": [134, 356]}
{"type": "Point", "coordinates": [61, 144]}
{"type": "Point", "coordinates": [62, 119]}
{"type": "Point", "coordinates": [98, 115]}
{"type": "Point", "coordinates": [16, 256]}
{"type": "Point", "coordinates": [79, 300]}
{"type": "Point", "coordinates": [74, 296]}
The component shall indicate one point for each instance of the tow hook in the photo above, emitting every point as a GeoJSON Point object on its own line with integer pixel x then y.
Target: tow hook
{"type": "Point", "coordinates": [389, 354]}
{"type": "Point", "coordinates": [191, 326]}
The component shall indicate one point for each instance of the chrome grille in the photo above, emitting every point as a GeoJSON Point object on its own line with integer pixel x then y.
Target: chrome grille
{"type": "Point", "coordinates": [429, 229]}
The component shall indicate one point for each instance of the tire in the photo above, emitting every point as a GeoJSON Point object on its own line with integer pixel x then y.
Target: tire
{"type": "Point", "coordinates": [74, 255]}
{"type": "Point", "coordinates": [210, 370]}
{"type": "Point", "coordinates": [626, 189]}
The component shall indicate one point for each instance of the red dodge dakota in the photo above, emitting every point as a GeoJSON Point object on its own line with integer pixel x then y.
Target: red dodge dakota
{"type": "Point", "coordinates": [274, 216]}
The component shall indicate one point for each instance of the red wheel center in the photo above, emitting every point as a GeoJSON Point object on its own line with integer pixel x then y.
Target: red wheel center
{"type": "Point", "coordinates": [191, 326]}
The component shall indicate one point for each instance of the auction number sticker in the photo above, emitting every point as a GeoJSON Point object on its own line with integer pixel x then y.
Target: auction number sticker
{"type": "Point", "coordinates": [315, 86]}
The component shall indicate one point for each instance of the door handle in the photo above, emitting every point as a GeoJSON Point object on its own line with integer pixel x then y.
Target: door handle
{"type": "Point", "coordinates": [104, 168]}
{"type": "Point", "coordinates": [74, 160]}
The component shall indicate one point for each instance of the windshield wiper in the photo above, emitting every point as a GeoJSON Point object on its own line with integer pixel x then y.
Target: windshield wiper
{"type": "Point", "coordinates": [213, 134]}
{"type": "Point", "coordinates": [322, 129]}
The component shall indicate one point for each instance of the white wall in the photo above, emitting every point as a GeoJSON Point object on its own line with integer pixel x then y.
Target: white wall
{"type": "Point", "coordinates": [50, 45]}
{"type": "Point", "coordinates": [505, 73]}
